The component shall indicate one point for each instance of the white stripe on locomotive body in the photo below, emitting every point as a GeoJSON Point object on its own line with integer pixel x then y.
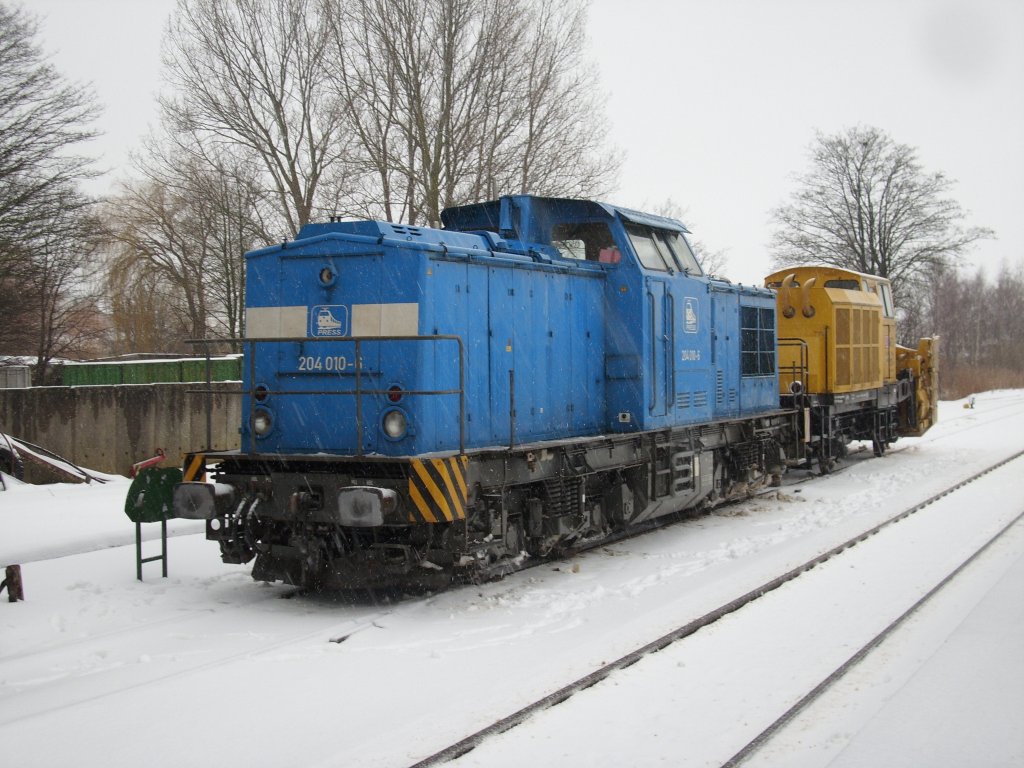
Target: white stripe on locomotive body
{"type": "Point", "coordinates": [368, 320]}
{"type": "Point", "coordinates": [385, 319]}
{"type": "Point", "coordinates": [276, 322]}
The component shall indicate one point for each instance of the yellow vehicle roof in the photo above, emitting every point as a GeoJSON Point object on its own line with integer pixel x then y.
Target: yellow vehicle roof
{"type": "Point", "coordinates": [822, 272]}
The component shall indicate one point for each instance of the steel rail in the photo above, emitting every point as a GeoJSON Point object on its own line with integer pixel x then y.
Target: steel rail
{"type": "Point", "coordinates": [762, 738]}
{"type": "Point", "coordinates": [469, 743]}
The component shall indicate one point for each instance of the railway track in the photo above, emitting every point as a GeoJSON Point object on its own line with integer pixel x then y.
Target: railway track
{"type": "Point", "coordinates": [563, 694]}
{"type": "Point", "coordinates": [302, 630]}
{"type": "Point", "coordinates": [765, 735]}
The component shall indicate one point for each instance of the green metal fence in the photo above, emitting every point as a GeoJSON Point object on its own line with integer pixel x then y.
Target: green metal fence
{"type": "Point", "coordinates": [227, 368]}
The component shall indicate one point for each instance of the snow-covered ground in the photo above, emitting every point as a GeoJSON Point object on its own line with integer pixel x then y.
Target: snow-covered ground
{"type": "Point", "coordinates": [208, 667]}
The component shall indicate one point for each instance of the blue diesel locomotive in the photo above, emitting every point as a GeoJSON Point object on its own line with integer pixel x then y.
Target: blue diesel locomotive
{"type": "Point", "coordinates": [427, 404]}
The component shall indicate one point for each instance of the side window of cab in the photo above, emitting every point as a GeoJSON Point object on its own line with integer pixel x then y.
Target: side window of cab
{"type": "Point", "coordinates": [585, 241]}
{"type": "Point", "coordinates": [885, 294]}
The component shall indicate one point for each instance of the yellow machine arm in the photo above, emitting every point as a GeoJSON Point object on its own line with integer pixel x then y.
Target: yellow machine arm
{"type": "Point", "coordinates": [923, 362]}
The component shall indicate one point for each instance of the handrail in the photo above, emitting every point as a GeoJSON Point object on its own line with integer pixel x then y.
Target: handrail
{"type": "Point", "coordinates": [798, 371]}
{"type": "Point", "coordinates": [358, 392]}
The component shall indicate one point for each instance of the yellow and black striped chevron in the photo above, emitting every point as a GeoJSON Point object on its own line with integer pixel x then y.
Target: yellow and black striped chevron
{"type": "Point", "coordinates": [437, 489]}
{"type": "Point", "coordinates": [195, 467]}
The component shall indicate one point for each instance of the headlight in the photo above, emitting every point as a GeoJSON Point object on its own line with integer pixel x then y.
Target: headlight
{"type": "Point", "coordinates": [395, 424]}
{"type": "Point", "coordinates": [262, 422]}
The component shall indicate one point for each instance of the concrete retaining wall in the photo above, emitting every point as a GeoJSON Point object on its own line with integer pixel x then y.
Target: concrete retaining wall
{"type": "Point", "coordinates": [110, 428]}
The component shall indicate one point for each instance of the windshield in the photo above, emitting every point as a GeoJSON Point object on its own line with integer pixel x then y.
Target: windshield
{"type": "Point", "coordinates": [651, 255]}
{"type": "Point", "coordinates": [663, 250]}
{"type": "Point", "coordinates": [684, 254]}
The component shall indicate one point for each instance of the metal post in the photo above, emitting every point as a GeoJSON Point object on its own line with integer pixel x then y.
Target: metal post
{"type": "Point", "coordinates": [163, 545]}
{"type": "Point", "coordinates": [209, 400]}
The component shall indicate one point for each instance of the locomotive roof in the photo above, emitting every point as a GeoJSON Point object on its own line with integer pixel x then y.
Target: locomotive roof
{"type": "Point", "coordinates": [488, 215]}
{"type": "Point", "coordinates": [526, 218]}
{"type": "Point", "coordinates": [821, 269]}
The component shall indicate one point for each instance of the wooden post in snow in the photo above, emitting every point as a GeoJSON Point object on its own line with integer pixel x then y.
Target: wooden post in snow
{"type": "Point", "coordinates": [15, 589]}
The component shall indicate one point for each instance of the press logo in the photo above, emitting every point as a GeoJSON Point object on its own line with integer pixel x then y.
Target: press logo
{"type": "Point", "coordinates": [690, 314]}
{"type": "Point", "coordinates": [329, 320]}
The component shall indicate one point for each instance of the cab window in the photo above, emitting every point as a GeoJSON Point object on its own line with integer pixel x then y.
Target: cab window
{"type": "Point", "coordinates": [846, 285]}
{"type": "Point", "coordinates": [583, 241]}
{"type": "Point", "coordinates": [683, 252]}
{"type": "Point", "coordinates": [885, 294]}
{"type": "Point", "coordinates": [661, 238]}
{"type": "Point", "coordinates": [651, 255]}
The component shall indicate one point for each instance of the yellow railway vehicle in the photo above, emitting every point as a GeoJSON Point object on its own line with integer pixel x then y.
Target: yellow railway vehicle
{"type": "Point", "coordinates": [839, 361]}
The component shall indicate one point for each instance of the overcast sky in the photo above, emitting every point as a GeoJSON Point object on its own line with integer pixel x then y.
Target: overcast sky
{"type": "Point", "coordinates": [713, 102]}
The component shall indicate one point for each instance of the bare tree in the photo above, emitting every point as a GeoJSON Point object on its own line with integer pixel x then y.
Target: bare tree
{"type": "Point", "coordinates": [156, 234]}
{"type": "Point", "coordinates": [42, 118]}
{"type": "Point", "coordinates": [44, 219]}
{"type": "Point", "coordinates": [64, 291]}
{"type": "Point", "coordinates": [867, 204]}
{"type": "Point", "coordinates": [233, 220]}
{"type": "Point", "coordinates": [251, 74]}
{"type": "Point", "coordinates": [180, 234]}
{"type": "Point", "coordinates": [560, 146]}
{"type": "Point", "coordinates": [451, 101]}
{"type": "Point", "coordinates": [980, 320]}
{"type": "Point", "coordinates": [392, 108]}
{"type": "Point", "coordinates": [144, 310]}
{"type": "Point", "coordinates": [1005, 328]}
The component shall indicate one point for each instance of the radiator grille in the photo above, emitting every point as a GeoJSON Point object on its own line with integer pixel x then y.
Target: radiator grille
{"type": "Point", "coordinates": [857, 346]}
